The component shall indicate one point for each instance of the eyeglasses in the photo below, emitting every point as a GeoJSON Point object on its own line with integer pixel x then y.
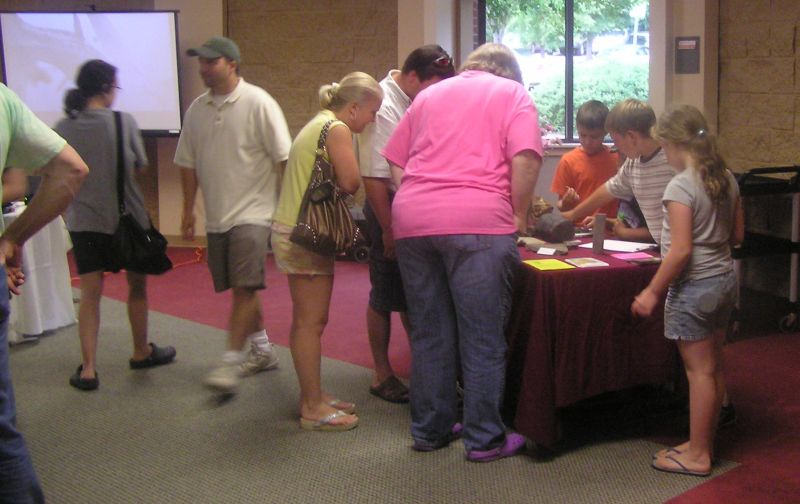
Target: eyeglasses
{"type": "Point", "coordinates": [443, 61]}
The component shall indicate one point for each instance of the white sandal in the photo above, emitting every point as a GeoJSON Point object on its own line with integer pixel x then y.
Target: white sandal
{"type": "Point", "coordinates": [326, 424]}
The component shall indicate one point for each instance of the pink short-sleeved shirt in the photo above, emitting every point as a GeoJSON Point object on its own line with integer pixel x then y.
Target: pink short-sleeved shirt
{"type": "Point", "coordinates": [455, 144]}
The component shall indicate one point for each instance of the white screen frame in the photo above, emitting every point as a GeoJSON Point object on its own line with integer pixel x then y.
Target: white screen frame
{"type": "Point", "coordinates": [42, 52]}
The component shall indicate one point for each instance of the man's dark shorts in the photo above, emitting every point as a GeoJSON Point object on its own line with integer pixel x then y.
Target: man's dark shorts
{"type": "Point", "coordinates": [387, 293]}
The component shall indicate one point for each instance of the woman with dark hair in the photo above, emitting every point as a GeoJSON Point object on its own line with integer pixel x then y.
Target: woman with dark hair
{"type": "Point", "coordinates": [93, 216]}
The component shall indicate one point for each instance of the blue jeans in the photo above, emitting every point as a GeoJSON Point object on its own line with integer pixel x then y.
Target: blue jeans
{"type": "Point", "coordinates": [458, 289]}
{"type": "Point", "coordinates": [18, 482]}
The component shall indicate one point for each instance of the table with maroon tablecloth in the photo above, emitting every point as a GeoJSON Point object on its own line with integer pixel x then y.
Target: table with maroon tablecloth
{"type": "Point", "coordinates": [571, 336]}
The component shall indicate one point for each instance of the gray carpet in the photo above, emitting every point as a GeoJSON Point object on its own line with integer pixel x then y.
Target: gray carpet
{"type": "Point", "coordinates": [157, 436]}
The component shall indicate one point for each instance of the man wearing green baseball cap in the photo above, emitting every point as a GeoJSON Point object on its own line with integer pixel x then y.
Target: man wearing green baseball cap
{"type": "Point", "coordinates": [217, 47]}
{"type": "Point", "coordinates": [234, 144]}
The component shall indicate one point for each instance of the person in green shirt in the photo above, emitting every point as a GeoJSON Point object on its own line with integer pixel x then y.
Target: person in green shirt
{"type": "Point", "coordinates": [27, 143]}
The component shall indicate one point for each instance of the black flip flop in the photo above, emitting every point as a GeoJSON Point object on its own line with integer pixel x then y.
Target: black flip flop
{"type": "Point", "coordinates": [158, 357]}
{"type": "Point", "coordinates": [391, 390]}
{"type": "Point", "coordinates": [84, 383]}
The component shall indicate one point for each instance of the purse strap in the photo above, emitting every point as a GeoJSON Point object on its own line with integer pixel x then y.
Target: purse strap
{"type": "Point", "coordinates": [120, 163]}
{"type": "Point", "coordinates": [323, 170]}
{"type": "Point", "coordinates": [323, 136]}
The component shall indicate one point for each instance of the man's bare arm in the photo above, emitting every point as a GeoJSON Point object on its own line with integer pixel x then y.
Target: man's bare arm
{"type": "Point", "coordinates": [377, 194]}
{"type": "Point", "coordinates": [598, 198]}
{"type": "Point", "coordinates": [61, 179]}
{"type": "Point", "coordinates": [189, 185]}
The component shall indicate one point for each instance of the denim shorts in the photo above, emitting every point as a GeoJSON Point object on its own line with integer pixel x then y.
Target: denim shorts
{"type": "Point", "coordinates": [386, 294]}
{"type": "Point", "coordinates": [695, 309]}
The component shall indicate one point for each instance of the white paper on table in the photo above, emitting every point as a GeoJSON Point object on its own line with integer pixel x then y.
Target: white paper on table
{"type": "Point", "coordinates": [622, 246]}
{"type": "Point", "coordinates": [546, 251]}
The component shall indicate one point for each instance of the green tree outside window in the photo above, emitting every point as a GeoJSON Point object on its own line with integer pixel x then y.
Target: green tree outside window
{"type": "Point", "coordinates": [610, 53]}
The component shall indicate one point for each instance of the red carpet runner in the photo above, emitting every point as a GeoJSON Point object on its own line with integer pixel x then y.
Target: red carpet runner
{"type": "Point", "coordinates": [764, 383]}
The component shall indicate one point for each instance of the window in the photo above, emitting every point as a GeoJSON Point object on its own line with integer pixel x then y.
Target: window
{"type": "Point", "coordinates": [608, 60]}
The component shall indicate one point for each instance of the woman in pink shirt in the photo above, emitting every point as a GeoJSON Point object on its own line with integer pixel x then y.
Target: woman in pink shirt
{"type": "Point", "coordinates": [469, 150]}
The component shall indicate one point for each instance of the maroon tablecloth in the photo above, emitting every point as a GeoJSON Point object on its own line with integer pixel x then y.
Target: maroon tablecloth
{"type": "Point", "coordinates": [572, 336]}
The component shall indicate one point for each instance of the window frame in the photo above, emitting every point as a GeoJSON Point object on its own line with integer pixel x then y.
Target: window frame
{"type": "Point", "coordinates": [569, 60]}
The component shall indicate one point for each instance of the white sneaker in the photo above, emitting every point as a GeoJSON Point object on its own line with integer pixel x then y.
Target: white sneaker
{"type": "Point", "coordinates": [258, 360]}
{"type": "Point", "coordinates": [223, 379]}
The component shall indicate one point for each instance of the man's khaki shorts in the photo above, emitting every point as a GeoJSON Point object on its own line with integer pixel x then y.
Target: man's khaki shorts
{"type": "Point", "coordinates": [236, 257]}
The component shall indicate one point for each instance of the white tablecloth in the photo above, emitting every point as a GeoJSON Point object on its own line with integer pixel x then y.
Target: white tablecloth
{"type": "Point", "coordinates": [45, 302]}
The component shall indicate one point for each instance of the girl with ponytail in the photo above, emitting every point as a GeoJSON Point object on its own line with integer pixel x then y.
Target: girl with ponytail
{"type": "Point", "coordinates": [703, 220]}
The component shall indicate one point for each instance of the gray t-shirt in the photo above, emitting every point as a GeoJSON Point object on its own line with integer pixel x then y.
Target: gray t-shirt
{"type": "Point", "coordinates": [711, 225]}
{"type": "Point", "coordinates": [92, 134]}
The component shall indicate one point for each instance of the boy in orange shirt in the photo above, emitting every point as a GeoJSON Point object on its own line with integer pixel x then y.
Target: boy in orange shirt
{"type": "Point", "coordinates": [585, 168]}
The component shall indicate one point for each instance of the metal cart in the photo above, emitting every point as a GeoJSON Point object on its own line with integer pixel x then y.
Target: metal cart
{"type": "Point", "coordinates": [755, 183]}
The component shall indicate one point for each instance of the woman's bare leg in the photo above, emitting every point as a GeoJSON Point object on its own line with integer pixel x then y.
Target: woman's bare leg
{"type": "Point", "coordinates": [89, 320]}
{"type": "Point", "coordinates": [311, 296]}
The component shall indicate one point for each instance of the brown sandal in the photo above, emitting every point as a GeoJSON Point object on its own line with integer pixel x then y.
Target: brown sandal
{"type": "Point", "coordinates": [391, 390]}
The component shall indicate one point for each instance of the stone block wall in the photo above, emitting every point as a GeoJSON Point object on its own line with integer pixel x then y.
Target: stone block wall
{"type": "Point", "coordinates": [292, 47]}
{"type": "Point", "coordinates": [759, 114]}
{"type": "Point", "coordinates": [759, 84]}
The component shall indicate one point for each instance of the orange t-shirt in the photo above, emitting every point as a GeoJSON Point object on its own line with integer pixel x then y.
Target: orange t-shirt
{"type": "Point", "coordinates": [586, 173]}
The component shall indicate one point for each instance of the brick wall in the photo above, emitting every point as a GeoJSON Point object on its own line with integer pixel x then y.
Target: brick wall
{"type": "Point", "coordinates": [759, 114]}
{"type": "Point", "coordinates": [759, 85]}
{"type": "Point", "coordinates": [292, 47]}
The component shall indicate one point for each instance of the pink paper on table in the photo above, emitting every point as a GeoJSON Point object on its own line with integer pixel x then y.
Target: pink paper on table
{"type": "Point", "coordinates": [632, 255]}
